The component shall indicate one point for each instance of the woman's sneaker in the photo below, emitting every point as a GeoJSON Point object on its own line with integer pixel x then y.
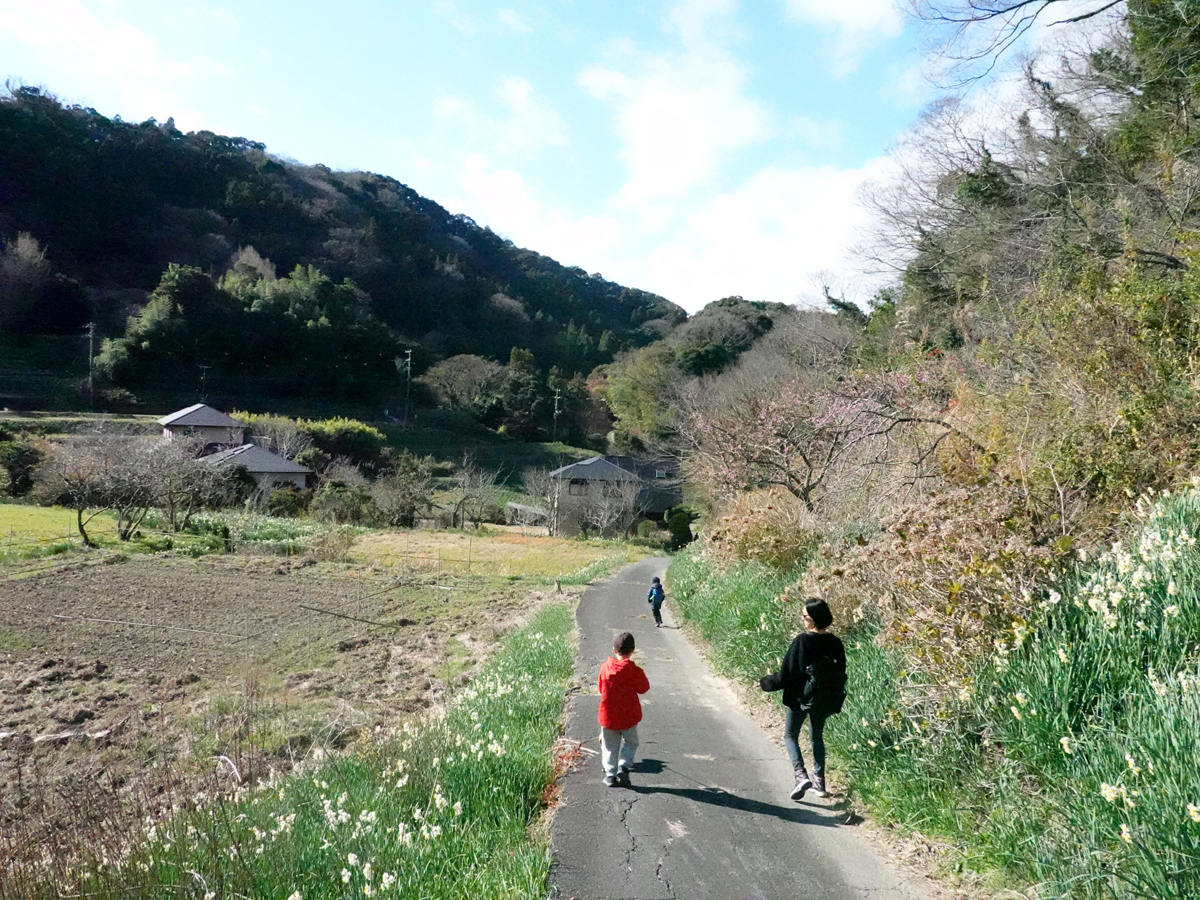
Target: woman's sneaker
{"type": "Point", "coordinates": [818, 786]}
{"type": "Point", "coordinates": [803, 783]}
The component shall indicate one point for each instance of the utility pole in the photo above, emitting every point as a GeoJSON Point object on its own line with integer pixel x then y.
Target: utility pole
{"type": "Point", "coordinates": [91, 333]}
{"type": "Point", "coordinates": [203, 383]}
{"type": "Point", "coordinates": [557, 397]}
{"type": "Point", "coordinates": [407, 386]}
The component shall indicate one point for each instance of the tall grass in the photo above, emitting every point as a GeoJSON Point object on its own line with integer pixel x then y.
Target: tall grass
{"type": "Point", "coordinates": [739, 612]}
{"type": "Point", "coordinates": [439, 809]}
{"type": "Point", "coordinates": [1071, 763]}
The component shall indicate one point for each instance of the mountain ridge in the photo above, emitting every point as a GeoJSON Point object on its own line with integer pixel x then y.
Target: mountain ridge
{"type": "Point", "coordinates": [111, 205]}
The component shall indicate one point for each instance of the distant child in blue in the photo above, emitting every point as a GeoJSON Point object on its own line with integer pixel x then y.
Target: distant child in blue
{"type": "Point", "coordinates": [655, 598]}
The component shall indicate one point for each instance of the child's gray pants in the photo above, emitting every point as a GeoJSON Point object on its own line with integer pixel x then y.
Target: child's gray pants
{"type": "Point", "coordinates": [617, 749]}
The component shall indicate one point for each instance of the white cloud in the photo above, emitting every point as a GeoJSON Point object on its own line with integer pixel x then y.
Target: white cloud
{"type": "Point", "coordinates": [531, 121]}
{"type": "Point", "coordinates": [96, 54]}
{"type": "Point", "coordinates": [513, 20]}
{"type": "Point", "coordinates": [452, 16]}
{"type": "Point", "coordinates": [679, 115]}
{"type": "Point", "coordinates": [525, 124]}
{"type": "Point", "coordinates": [677, 225]}
{"type": "Point", "coordinates": [770, 238]}
{"type": "Point", "coordinates": [852, 15]}
{"type": "Point", "coordinates": [448, 107]}
{"type": "Point", "coordinates": [766, 240]}
{"type": "Point", "coordinates": [860, 25]}
{"type": "Point", "coordinates": [68, 33]}
{"type": "Point", "coordinates": [503, 195]}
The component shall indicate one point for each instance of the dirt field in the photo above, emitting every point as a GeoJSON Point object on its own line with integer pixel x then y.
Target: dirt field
{"type": "Point", "coordinates": [115, 668]}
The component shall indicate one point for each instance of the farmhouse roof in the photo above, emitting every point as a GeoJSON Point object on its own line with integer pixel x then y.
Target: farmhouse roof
{"type": "Point", "coordinates": [201, 416]}
{"type": "Point", "coordinates": [595, 469]}
{"type": "Point", "coordinates": [257, 461]}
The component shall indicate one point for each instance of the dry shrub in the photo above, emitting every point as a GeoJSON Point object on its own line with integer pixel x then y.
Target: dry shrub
{"type": "Point", "coordinates": [770, 526]}
{"type": "Point", "coordinates": [951, 578]}
{"type": "Point", "coordinates": [332, 545]}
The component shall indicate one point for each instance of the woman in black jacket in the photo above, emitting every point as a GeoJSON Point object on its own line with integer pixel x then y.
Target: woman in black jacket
{"type": "Point", "coordinates": [813, 681]}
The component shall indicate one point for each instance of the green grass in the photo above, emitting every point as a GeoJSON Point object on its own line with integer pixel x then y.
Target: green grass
{"type": "Point", "coordinates": [738, 612]}
{"type": "Point", "coordinates": [36, 532]}
{"type": "Point", "coordinates": [1071, 764]}
{"type": "Point", "coordinates": [447, 435]}
{"type": "Point", "coordinates": [441, 808]}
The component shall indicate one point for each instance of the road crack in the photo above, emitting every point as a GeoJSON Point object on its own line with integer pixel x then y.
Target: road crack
{"type": "Point", "coordinates": [625, 808]}
{"type": "Point", "coordinates": [658, 871]}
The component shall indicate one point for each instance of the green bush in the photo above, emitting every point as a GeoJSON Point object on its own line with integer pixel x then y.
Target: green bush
{"type": "Point", "coordinates": [18, 460]}
{"type": "Point", "coordinates": [343, 504]}
{"type": "Point", "coordinates": [679, 523]}
{"type": "Point", "coordinates": [288, 502]}
{"type": "Point", "coordinates": [359, 442]}
{"type": "Point", "coordinates": [743, 612]}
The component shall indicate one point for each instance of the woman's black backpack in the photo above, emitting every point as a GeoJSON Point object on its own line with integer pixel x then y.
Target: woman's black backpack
{"type": "Point", "coordinates": [824, 687]}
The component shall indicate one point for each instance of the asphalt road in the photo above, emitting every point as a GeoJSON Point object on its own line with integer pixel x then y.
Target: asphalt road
{"type": "Point", "coordinates": [708, 815]}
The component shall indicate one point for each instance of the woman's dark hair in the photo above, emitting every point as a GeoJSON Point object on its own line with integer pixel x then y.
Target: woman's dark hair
{"type": "Point", "coordinates": [818, 611]}
{"type": "Point", "coordinates": [623, 643]}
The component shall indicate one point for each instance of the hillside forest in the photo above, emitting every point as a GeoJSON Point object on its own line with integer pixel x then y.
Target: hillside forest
{"type": "Point", "coordinates": [282, 281]}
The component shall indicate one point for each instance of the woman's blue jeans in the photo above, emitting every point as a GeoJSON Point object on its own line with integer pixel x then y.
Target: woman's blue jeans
{"type": "Point", "coordinates": [793, 719]}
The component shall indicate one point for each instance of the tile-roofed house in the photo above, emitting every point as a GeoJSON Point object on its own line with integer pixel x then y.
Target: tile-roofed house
{"type": "Point", "coordinates": [595, 469]}
{"type": "Point", "coordinates": [663, 484]}
{"type": "Point", "coordinates": [593, 493]}
{"type": "Point", "coordinates": [211, 426]}
{"type": "Point", "coordinates": [269, 469]}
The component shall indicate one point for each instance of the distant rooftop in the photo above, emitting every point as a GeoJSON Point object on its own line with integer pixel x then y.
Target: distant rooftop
{"type": "Point", "coordinates": [201, 416]}
{"type": "Point", "coordinates": [595, 469]}
{"type": "Point", "coordinates": [256, 459]}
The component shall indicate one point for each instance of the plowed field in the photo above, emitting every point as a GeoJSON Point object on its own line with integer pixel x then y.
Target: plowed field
{"type": "Point", "coordinates": [117, 673]}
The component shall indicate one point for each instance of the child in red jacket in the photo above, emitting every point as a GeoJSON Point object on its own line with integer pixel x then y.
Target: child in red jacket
{"type": "Point", "coordinates": [621, 680]}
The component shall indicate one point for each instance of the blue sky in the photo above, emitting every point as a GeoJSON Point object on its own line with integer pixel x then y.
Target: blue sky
{"type": "Point", "coordinates": [697, 148]}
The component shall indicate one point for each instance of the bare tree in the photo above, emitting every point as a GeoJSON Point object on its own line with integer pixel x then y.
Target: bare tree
{"type": "Point", "coordinates": [279, 435]}
{"type": "Point", "coordinates": [974, 34]}
{"type": "Point", "coordinates": [183, 482]}
{"type": "Point", "coordinates": [476, 489]}
{"type": "Point", "coordinates": [100, 471]}
{"type": "Point", "coordinates": [24, 270]}
{"type": "Point", "coordinates": [537, 482]}
{"type": "Point", "coordinates": [72, 475]}
{"type": "Point", "coordinates": [406, 491]}
{"type": "Point", "coordinates": [815, 435]}
{"type": "Point", "coordinates": [610, 506]}
{"type": "Point", "coordinates": [466, 381]}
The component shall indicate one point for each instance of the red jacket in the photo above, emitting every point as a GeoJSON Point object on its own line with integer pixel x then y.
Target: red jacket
{"type": "Point", "coordinates": [621, 680]}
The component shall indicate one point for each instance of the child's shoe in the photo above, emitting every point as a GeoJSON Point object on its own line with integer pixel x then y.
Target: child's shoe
{"type": "Point", "coordinates": [610, 781]}
{"type": "Point", "coordinates": [623, 779]}
{"type": "Point", "coordinates": [803, 783]}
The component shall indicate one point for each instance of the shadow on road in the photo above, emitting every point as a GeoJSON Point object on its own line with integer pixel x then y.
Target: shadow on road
{"type": "Point", "coordinates": [647, 767]}
{"type": "Point", "coordinates": [718, 797]}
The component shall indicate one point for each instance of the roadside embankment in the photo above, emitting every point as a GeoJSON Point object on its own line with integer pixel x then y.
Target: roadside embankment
{"type": "Point", "coordinates": [1067, 764]}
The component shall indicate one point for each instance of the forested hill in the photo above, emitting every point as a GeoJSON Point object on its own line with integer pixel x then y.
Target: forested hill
{"type": "Point", "coordinates": [106, 206]}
